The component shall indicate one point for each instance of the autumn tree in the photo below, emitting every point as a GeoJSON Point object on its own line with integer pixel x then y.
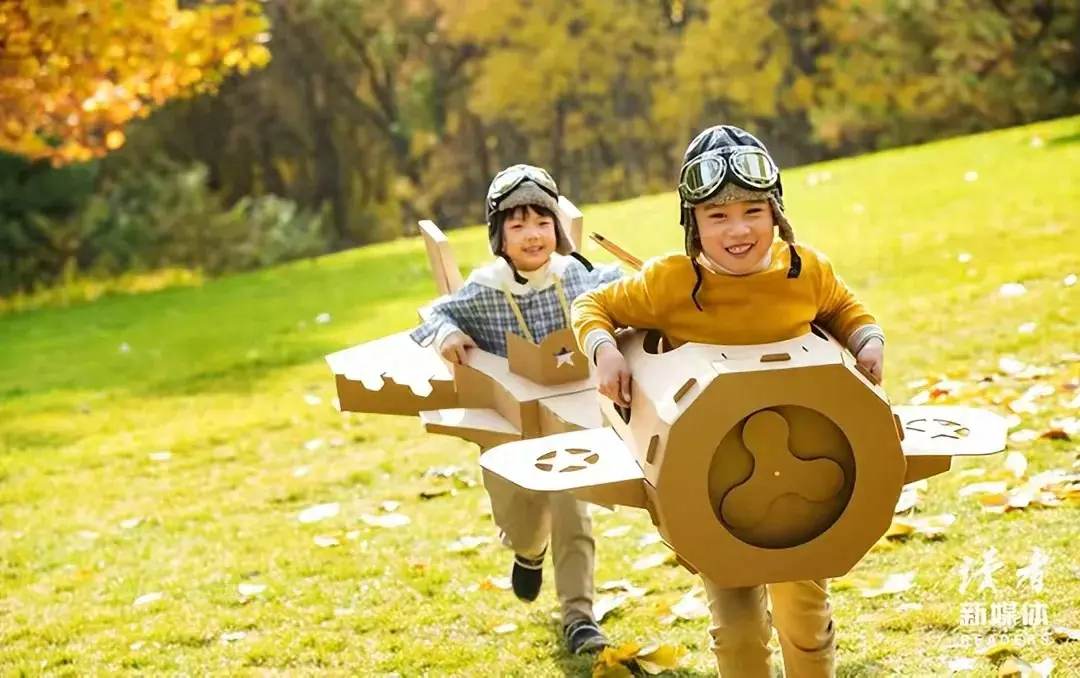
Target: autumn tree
{"type": "Point", "coordinates": [73, 74]}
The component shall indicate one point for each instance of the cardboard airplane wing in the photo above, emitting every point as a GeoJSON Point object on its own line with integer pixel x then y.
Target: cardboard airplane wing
{"type": "Point", "coordinates": [950, 430]}
{"type": "Point", "coordinates": [594, 464]}
{"type": "Point", "coordinates": [392, 375]}
{"type": "Point", "coordinates": [564, 461]}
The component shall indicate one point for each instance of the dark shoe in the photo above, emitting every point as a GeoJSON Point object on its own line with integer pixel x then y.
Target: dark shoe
{"type": "Point", "coordinates": [527, 576]}
{"type": "Point", "coordinates": [584, 636]}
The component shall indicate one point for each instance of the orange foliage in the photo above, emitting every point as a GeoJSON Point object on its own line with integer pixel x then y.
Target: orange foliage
{"type": "Point", "coordinates": [77, 71]}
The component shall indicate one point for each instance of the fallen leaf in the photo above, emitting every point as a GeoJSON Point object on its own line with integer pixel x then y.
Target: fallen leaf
{"type": "Point", "coordinates": [390, 506]}
{"type": "Point", "coordinates": [1014, 667]}
{"type": "Point", "coordinates": [617, 531]}
{"type": "Point", "coordinates": [690, 606]}
{"type": "Point", "coordinates": [920, 398]}
{"type": "Point", "coordinates": [326, 541]}
{"type": "Point", "coordinates": [301, 471]}
{"type": "Point", "coordinates": [322, 318]}
{"type": "Point", "coordinates": [970, 176]}
{"type": "Point", "coordinates": [928, 526]}
{"type": "Point", "coordinates": [148, 598]}
{"type": "Point", "coordinates": [312, 400]}
{"type": "Point", "coordinates": [1010, 366]}
{"type": "Point", "coordinates": [1012, 290]}
{"type": "Point", "coordinates": [1055, 434]}
{"type": "Point", "coordinates": [467, 544]}
{"type": "Point", "coordinates": [971, 473]}
{"type": "Point", "coordinates": [963, 257]}
{"type": "Point", "coordinates": [1027, 328]}
{"type": "Point", "coordinates": [1063, 634]}
{"type": "Point", "coordinates": [1024, 407]}
{"type": "Point", "coordinates": [605, 604]}
{"type": "Point", "coordinates": [388, 520]}
{"type": "Point", "coordinates": [998, 651]}
{"type": "Point", "coordinates": [654, 560]}
{"type": "Point", "coordinates": [1016, 464]}
{"type": "Point", "coordinates": [909, 499]}
{"type": "Point", "coordinates": [1069, 280]}
{"type": "Point", "coordinates": [909, 607]}
{"type": "Point", "coordinates": [961, 664]}
{"type": "Point", "coordinates": [625, 586]}
{"type": "Point", "coordinates": [249, 590]}
{"type": "Point", "coordinates": [432, 494]}
{"type": "Point", "coordinates": [160, 456]}
{"type": "Point", "coordinates": [313, 444]}
{"type": "Point", "coordinates": [137, 645]}
{"type": "Point", "coordinates": [130, 523]}
{"type": "Point", "coordinates": [656, 659]}
{"type": "Point", "coordinates": [614, 661]}
{"type": "Point", "coordinates": [649, 540]}
{"type": "Point", "coordinates": [991, 487]}
{"type": "Point", "coordinates": [352, 535]}
{"type": "Point", "coordinates": [496, 583]}
{"type": "Point", "coordinates": [1024, 435]}
{"type": "Point", "coordinates": [320, 512]}
{"type": "Point", "coordinates": [233, 636]}
{"type": "Point", "coordinates": [894, 583]}
{"type": "Point", "coordinates": [505, 628]}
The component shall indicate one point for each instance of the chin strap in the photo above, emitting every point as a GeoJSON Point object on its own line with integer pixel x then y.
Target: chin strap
{"type": "Point", "coordinates": [513, 269]}
{"type": "Point", "coordinates": [584, 262]}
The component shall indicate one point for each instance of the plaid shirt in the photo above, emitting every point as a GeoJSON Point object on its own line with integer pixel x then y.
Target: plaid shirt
{"type": "Point", "coordinates": [485, 315]}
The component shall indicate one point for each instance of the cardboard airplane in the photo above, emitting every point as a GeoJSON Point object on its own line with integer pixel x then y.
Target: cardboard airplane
{"type": "Point", "coordinates": [538, 390]}
{"type": "Point", "coordinates": [757, 464]}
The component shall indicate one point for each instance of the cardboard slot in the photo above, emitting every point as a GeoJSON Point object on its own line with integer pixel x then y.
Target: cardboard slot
{"type": "Point", "coordinates": [684, 389]}
{"type": "Point", "coordinates": [775, 357]}
{"type": "Point", "coordinates": [654, 444]}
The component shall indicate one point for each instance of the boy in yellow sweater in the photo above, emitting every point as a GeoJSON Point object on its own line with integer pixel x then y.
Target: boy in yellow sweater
{"type": "Point", "coordinates": [737, 283]}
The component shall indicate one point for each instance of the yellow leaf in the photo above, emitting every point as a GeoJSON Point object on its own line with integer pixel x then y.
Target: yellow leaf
{"type": "Point", "coordinates": [659, 658]}
{"type": "Point", "coordinates": [258, 55]}
{"type": "Point", "coordinates": [114, 139]}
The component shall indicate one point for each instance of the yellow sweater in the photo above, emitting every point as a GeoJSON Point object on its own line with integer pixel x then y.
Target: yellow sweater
{"type": "Point", "coordinates": [758, 308]}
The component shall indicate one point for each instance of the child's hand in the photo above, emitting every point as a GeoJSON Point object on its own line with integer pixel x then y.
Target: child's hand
{"type": "Point", "coordinates": [613, 374]}
{"type": "Point", "coordinates": [872, 358]}
{"type": "Point", "coordinates": [453, 347]}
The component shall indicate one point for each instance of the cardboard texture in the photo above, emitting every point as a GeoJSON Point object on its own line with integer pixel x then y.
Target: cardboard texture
{"type": "Point", "coordinates": [757, 464]}
{"type": "Point", "coordinates": [538, 390]}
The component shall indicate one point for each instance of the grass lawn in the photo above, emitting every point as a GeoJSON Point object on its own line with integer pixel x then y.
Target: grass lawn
{"type": "Point", "coordinates": [228, 378]}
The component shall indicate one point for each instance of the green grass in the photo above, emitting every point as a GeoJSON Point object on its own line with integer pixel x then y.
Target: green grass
{"type": "Point", "coordinates": [218, 373]}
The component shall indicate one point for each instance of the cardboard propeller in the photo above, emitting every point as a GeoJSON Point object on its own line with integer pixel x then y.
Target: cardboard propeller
{"type": "Point", "coordinates": [539, 389]}
{"type": "Point", "coordinates": [757, 464]}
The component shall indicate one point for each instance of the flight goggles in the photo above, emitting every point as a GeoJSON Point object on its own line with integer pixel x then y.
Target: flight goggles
{"type": "Point", "coordinates": [747, 166]}
{"type": "Point", "coordinates": [508, 180]}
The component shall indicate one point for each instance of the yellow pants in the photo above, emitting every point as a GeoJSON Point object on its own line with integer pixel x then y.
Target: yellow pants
{"type": "Point", "coordinates": [742, 626]}
{"type": "Point", "coordinates": [528, 519]}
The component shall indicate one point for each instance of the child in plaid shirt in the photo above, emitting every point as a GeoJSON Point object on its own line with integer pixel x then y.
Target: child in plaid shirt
{"type": "Point", "coordinates": [528, 290]}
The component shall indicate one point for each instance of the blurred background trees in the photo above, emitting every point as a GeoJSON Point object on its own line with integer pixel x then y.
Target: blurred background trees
{"type": "Point", "coordinates": [365, 116]}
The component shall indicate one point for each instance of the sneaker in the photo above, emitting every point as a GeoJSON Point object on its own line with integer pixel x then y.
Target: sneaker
{"type": "Point", "coordinates": [527, 576]}
{"type": "Point", "coordinates": [584, 636]}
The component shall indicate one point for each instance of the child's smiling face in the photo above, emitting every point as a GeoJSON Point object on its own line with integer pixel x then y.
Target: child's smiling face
{"type": "Point", "coordinates": [737, 235]}
{"type": "Point", "coordinates": [528, 238]}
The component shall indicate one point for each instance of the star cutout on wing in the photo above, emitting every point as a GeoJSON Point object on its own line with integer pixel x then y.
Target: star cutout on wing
{"type": "Point", "coordinates": [565, 356]}
{"type": "Point", "coordinates": [937, 428]}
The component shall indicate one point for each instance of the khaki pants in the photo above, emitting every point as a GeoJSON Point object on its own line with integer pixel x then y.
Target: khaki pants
{"type": "Point", "coordinates": [742, 626]}
{"type": "Point", "coordinates": [527, 519]}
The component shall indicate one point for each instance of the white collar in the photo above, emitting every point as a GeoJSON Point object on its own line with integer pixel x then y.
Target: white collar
{"type": "Point", "coordinates": [498, 275]}
{"type": "Point", "coordinates": [709, 264]}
